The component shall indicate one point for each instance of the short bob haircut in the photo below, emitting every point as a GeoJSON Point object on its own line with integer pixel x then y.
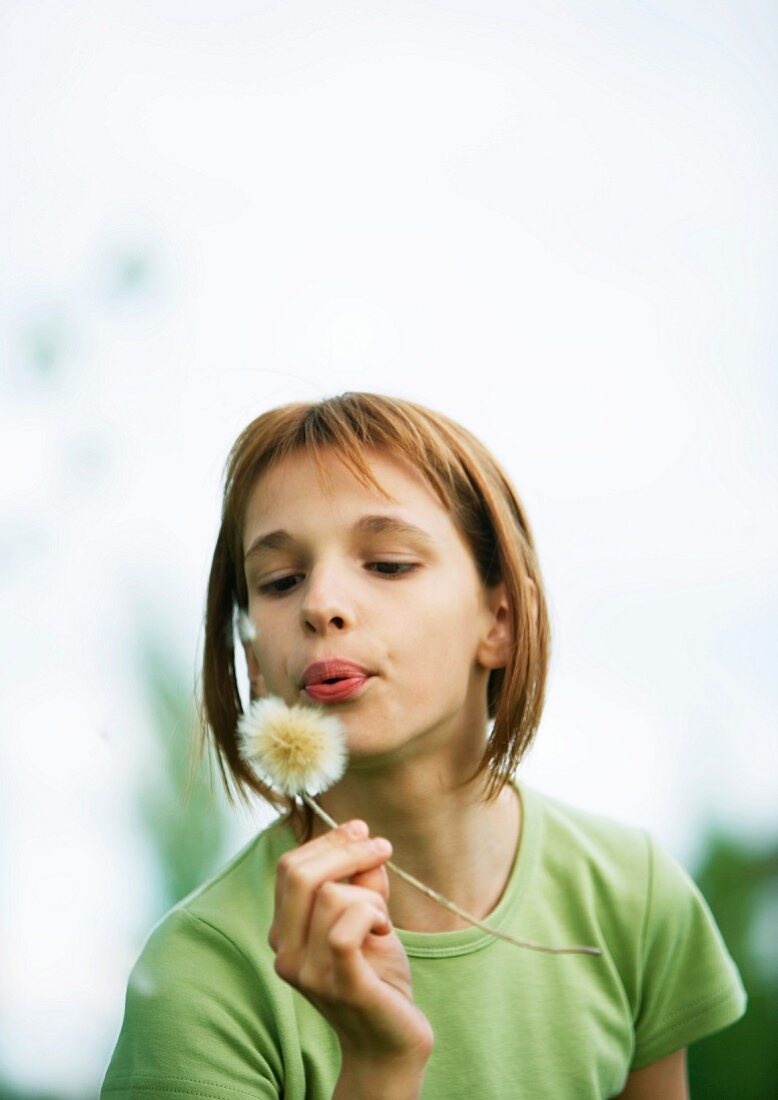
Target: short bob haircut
{"type": "Point", "coordinates": [483, 505]}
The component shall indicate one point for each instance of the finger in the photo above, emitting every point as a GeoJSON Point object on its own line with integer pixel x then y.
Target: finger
{"type": "Point", "coordinates": [338, 961]}
{"type": "Point", "coordinates": [345, 942]}
{"type": "Point", "coordinates": [374, 879]}
{"type": "Point", "coordinates": [344, 834]}
{"type": "Point", "coordinates": [334, 838]}
{"type": "Point", "coordinates": [332, 900]}
{"type": "Point", "coordinates": [302, 880]}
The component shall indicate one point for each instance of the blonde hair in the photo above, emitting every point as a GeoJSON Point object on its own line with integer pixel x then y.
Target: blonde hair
{"type": "Point", "coordinates": [482, 503]}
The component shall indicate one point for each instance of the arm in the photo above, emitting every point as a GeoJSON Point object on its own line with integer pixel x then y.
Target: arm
{"type": "Point", "coordinates": [662, 1080]}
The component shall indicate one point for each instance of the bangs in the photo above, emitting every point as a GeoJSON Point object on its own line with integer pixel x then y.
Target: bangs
{"type": "Point", "coordinates": [349, 427]}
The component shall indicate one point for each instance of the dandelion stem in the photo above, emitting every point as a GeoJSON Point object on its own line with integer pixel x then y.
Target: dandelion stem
{"type": "Point", "coordinates": [452, 906]}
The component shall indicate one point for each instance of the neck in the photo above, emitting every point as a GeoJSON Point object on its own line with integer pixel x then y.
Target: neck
{"type": "Point", "coordinates": [449, 837]}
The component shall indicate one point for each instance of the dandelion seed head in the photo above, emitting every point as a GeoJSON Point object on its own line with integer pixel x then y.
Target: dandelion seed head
{"type": "Point", "coordinates": [293, 749]}
{"type": "Point", "coordinates": [246, 629]}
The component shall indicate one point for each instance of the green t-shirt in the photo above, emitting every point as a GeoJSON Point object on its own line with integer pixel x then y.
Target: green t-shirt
{"type": "Point", "coordinates": [206, 1015]}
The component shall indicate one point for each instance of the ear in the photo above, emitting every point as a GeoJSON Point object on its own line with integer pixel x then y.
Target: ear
{"type": "Point", "coordinates": [495, 648]}
{"type": "Point", "coordinates": [256, 679]}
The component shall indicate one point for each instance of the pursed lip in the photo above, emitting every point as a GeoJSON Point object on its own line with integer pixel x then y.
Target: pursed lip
{"type": "Point", "coordinates": [333, 669]}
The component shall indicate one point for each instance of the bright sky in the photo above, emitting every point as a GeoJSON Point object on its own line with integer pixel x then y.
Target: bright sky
{"type": "Point", "coordinates": [555, 223]}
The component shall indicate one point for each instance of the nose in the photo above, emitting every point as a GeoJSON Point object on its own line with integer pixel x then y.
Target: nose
{"type": "Point", "coordinates": [325, 606]}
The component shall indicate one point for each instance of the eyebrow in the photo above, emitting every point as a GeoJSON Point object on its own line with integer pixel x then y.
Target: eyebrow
{"type": "Point", "coordinates": [365, 525]}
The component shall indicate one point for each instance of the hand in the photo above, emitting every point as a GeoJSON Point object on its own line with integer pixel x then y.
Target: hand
{"type": "Point", "coordinates": [334, 943]}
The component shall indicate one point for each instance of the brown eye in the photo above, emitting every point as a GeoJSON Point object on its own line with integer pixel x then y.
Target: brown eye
{"type": "Point", "coordinates": [394, 568]}
{"type": "Point", "coordinates": [278, 587]}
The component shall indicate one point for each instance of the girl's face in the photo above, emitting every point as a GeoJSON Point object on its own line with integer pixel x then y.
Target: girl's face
{"type": "Point", "coordinates": [329, 580]}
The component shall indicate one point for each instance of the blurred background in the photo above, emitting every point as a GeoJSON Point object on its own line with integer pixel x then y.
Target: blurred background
{"type": "Point", "coordinates": [554, 222]}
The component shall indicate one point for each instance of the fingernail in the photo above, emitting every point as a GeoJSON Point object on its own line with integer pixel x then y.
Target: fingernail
{"type": "Point", "coordinates": [382, 845]}
{"type": "Point", "coordinates": [356, 828]}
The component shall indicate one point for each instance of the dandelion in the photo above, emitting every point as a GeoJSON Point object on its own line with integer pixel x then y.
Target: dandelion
{"type": "Point", "coordinates": [297, 750]}
{"type": "Point", "coordinates": [301, 752]}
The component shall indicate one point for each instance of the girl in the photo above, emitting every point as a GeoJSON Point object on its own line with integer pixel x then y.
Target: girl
{"type": "Point", "coordinates": [387, 573]}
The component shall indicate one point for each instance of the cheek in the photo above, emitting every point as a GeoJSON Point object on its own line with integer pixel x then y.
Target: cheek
{"type": "Point", "coordinates": [262, 652]}
{"type": "Point", "coordinates": [267, 618]}
{"type": "Point", "coordinates": [439, 631]}
{"type": "Point", "coordinates": [268, 659]}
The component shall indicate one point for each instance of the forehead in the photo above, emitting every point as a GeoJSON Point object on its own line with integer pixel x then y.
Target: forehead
{"type": "Point", "coordinates": [290, 489]}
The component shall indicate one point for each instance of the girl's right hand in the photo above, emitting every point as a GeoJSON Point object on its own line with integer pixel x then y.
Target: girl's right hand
{"type": "Point", "coordinates": [334, 943]}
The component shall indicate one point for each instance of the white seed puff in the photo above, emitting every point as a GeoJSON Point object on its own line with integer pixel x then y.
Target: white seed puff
{"type": "Point", "coordinates": [294, 749]}
{"type": "Point", "coordinates": [246, 629]}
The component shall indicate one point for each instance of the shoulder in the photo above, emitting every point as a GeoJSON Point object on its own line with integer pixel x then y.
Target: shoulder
{"type": "Point", "coordinates": [224, 922]}
{"type": "Point", "coordinates": [246, 870]}
{"type": "Point", "coordinates": [591, 833]}
{"type": "Point", "coordinates": [610, 859]}
{"type": "Point", "coordinates": [613, 856]}
{"type": "Point", "coordinates": [592, 873]}
{"type": "Point", "coordinates": [202, 998]}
